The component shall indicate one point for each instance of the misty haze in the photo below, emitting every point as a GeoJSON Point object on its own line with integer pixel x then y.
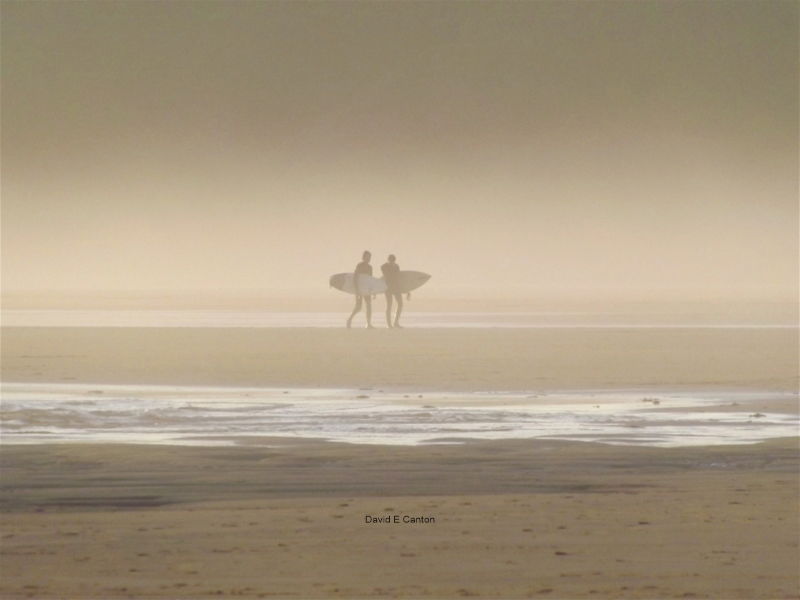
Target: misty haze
{"type": "Point", "coordinates": [555, 150]}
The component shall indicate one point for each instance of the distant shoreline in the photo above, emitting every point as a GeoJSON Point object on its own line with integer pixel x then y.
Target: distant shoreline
{"type": "Point", "coordinates": [595, 317]}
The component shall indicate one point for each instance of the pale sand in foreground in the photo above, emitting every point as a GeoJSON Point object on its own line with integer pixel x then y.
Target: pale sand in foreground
{"type": "Point", "coordinates": [513, 519]}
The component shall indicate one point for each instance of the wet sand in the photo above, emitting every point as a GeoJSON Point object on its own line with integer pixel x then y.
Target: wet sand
{"type": "Point", "coordinates": [513, 519]}
{"type": "Point", "coordinates": [462, 359]}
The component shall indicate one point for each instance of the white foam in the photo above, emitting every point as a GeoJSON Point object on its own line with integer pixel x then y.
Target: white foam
{"type": "Point", "coordinates": [38, 413]}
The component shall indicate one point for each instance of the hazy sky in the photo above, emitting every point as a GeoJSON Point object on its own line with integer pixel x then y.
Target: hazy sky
{"type": "Point", "coordinates": [637, 149]}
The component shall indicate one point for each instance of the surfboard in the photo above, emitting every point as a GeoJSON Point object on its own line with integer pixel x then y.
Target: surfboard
{"type": "Point", "coordinates": [366, 284]}
{"type": "Point", "coordinates": [407, 281]}
{"type": "Point", "coordinates": [410, 280]}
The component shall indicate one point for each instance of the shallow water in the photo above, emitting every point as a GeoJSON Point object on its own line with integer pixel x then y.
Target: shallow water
{"type": "Point", "coordinates": [43, 413]}
{"type": "Point", "coordinates": [411, 318]}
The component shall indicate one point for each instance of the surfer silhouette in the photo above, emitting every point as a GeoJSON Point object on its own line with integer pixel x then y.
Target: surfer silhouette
{"type": "Point", "coordinates": [391, 274]}
{"type": "Point", "coordinates": [362, 268]}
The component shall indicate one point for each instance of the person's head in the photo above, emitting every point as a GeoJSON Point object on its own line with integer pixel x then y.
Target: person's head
{"type": "Point", "coordinates": [392, 258]}
{"type": "Point", "coordinates": [366, 255]}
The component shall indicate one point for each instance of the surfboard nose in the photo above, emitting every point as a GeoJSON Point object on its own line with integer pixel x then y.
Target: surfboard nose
{"type": "Point", "coordinates": [420, 279]}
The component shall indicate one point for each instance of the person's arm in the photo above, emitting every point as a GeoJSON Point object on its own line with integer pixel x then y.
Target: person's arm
{"type": "Point", "coordinates": [355, 280]}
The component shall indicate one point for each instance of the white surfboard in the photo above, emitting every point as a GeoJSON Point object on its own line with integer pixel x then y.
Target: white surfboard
{"type": "Point", "coordinates": [366, 284]}
{"type": "Point", "coordinates": [410, 280]}
{"type": "Point", "coordinates": [406, 282]}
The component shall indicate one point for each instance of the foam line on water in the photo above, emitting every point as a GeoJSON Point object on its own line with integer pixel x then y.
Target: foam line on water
{"type": "Point", "coordinates": [39, 413]}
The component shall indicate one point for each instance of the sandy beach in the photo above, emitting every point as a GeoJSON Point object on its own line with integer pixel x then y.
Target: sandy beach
{"type": "Point", "coordinates": [494, 519]}
{"type": "Point", "coordinates": [510, 520]}
{"type": "Point", "coordinates": [475, 359]}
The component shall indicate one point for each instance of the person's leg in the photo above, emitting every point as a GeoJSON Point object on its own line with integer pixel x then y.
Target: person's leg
{"type": "Point", "coordinates": [368, 300]}
{"type": "Point", "coordinates": [399, 299]}
{"type": "Point", "coordinates": [388, 309]}
{"type": "Point", "coordinates": [356, 308]}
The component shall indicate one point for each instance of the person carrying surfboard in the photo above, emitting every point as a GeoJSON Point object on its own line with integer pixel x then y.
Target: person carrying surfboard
{"type": "Point", "coordinates": [362, 268]}
{"type": "Point", "coordinates": [391, 274]}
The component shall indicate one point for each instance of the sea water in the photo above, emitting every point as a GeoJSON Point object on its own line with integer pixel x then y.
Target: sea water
{"type": "Point", "coordinates": [206, 416]}
{"type": "Point", "coordinates": [411, 318]}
